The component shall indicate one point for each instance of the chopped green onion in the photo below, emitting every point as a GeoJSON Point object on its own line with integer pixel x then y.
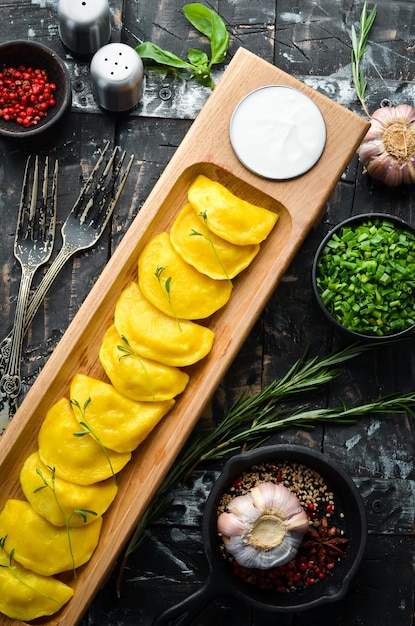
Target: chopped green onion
{"type": "Point", "coordinates": [365, 276]}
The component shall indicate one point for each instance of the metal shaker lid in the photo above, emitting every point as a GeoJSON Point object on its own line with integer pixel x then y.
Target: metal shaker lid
{"type": "Point", "coordinates": [117, 77]}
{"type": "Point", "coordinates": [84, 25]}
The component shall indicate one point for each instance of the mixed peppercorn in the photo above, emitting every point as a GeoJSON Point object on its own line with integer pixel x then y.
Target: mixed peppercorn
{"type": "Point", "coordinates": [26, 94]}
{"type": "Point", "coordinates": [324, 543]}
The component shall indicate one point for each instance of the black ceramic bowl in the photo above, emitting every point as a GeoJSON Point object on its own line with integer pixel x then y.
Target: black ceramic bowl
{"type": "Point", "coordinates": [222, 580]}
{"type": "Point", "coordinates": [338, 317]}
{"type": "Point", "coordinates": [37, 56]}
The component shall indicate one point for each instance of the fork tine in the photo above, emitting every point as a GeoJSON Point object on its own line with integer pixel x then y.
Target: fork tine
{"type": "Point", "coordinates": [123, 180]}
{"type": "Point", "coordinates": [99, 186]}
{"type": "Point", "coordinates": [52, 204]}
{"type": "Point", "coordinates": [35, 191]}
{"type": "Point", "coordinates": [102, 193]}
{"type": "Point", "coordinates": [91, 180]}
{"type": "Point", "coordinates": [105, 206]}
{"type": "Point", "coordinates": [30, 202]}
{"type": "Point", "coordinates": [26, 207]}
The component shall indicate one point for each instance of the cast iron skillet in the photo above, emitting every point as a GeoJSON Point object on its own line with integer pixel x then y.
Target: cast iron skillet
{"type": "Point", "coordinates": [221, 581]}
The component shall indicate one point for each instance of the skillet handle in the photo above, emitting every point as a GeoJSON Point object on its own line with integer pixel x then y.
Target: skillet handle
{"type": "Point", "coordinates": [189, 608]}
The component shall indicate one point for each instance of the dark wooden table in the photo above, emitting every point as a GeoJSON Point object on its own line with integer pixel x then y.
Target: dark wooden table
{"type": "Point", "coordinates": [309, 39]}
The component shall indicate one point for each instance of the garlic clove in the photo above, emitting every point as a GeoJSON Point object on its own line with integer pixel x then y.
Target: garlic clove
{"type": "Point", "coordinates": [298, 521]}
{"type": "Point", "coordinates": [244, 507]}
{"type": "Point", "coordinates": [229, 525]}
{"type": "Point", "coordinates": [275, 497]}
{"type": "Point", "coordinates": [403, 111]}
{"type": "Point", "coordinates": [408, 173]}
{"type": "Point", "coordinates": [371, 149]}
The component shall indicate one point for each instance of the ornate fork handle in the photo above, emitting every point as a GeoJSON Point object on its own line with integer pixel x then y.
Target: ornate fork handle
{"type": "Point", "coordinates": [10, 382]}
{"type": "Point", "coordinates": [5, 346]}
{"type": "Point", "coordinates": [64, 254]}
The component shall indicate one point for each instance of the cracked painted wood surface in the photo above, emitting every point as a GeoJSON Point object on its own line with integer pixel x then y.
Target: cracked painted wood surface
{"type": "Point", "coordinates": [308, 39]}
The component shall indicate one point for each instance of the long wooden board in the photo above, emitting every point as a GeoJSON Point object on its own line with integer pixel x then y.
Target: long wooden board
{"type": "Point", "coordinates": [205, 149]}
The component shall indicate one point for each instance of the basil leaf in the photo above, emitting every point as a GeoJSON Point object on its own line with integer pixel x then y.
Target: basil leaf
{"type": "Point", "coordinates": [210, 24]}
{"type": "Point", "coordinates": [200, 17]}
{"type": "Point", "coordinates": [220, 39]}
{"type": "Point", "coordinates": [148, 50]}
{"type": "Point", "coordinates": [197, 57]}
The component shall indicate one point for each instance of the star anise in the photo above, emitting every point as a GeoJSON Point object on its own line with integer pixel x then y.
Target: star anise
{"type": "Point", "coordinates": [324, 541]}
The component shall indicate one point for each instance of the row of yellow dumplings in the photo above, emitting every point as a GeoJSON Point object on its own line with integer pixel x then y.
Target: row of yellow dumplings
{"type": "Point", "coordinates": [69, 481]}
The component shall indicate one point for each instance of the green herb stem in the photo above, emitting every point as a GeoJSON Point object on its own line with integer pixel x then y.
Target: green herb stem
{"type": "Point", "coordinates": [88, 430]}
{"type": "Point", "coordinates": [52, 487]}
{"type": "Point", "coordinates": [166, 290]}
{"type": "Point", "coordinates": [359, 47]}
{"type": "Point", "coordinates": [9, 564]}
{"type": "Point", "coordinates": [208, 237]}
{"type": "Point", "coordinates": [66, 518]}
{"type": "Point", "coordinates": [127, 350]}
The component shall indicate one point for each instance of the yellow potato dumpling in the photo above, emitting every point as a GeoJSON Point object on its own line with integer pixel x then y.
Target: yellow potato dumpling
{"type": "Point", "coordinates": [135, 376]}
{"type": "Point", "coordinates": [43, 547]}
{"type": "Point", "coordinates": [77, 459]}
{"type": "Point", "coordinates": [25, 595]}
{"type": "Point", "coordinates": [174, 286]}
{"type": "Point", "coordinates": [208, 253]}
{"type": "Point", "coordinates": [120, 423]}
{"type": "Point", "coordinates": [228, 216]}
{"type": "Point", "coordinates": [157, 336]}
{"type": "Point", "coordinates": [69, 496]}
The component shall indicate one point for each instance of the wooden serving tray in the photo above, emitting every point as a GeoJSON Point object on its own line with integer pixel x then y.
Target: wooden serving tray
{"type": "Point", "coordinates": [300, 203]}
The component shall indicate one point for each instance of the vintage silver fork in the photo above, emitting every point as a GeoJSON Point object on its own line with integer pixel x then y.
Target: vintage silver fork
{"type": "Point", "coordinates": [33, 245]}
{"type": "Point", "coordinates": [87, 219]}
{"type": "Point", "coordinates": [83, 226]}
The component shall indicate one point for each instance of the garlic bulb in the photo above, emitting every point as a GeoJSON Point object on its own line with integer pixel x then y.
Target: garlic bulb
{"type": "Point", "coordinates": [388, 149]}
{"type": "Point", "coordinates": [265, 527]}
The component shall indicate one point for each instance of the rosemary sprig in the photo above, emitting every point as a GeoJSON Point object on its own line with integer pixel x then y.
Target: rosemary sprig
{"type": "Point", "coordinates": [8, 563]}
{"type": "Point", "coordinates": [67, 519]}
{"type": "Point", "coordinates": [208, 237]}
{"type": "Point", "coordinates": [166, 291]}
{"type": "Point", "coordinates": [359, 47]}
{"type": "Point", "coordinates": [127, 350]}
{"type": "Point", "coordinates": [88, 430]}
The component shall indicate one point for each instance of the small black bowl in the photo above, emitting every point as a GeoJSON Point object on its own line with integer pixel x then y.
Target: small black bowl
{"type": "Point", "coordinates": [222, 581]}
{"type": "Point", "coordinates": [336, 321]}
{"type": "Point", "coordinates": [37, 56]}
